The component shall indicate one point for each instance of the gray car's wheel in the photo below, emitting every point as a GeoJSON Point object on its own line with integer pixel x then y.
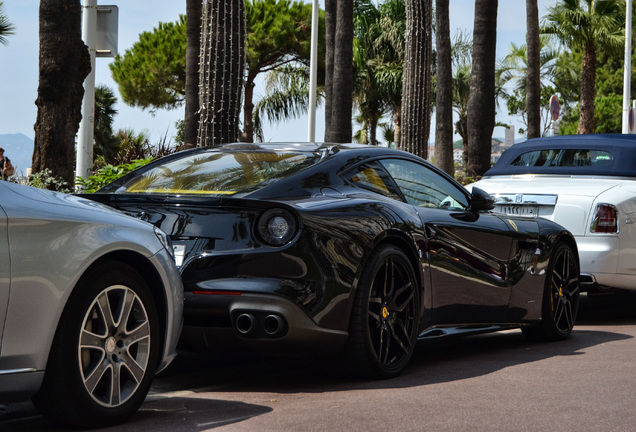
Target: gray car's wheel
{"type": "Point", "coordinates": [560, 298]}
{"type": "Point", "coordinates": [385, 317]}
{"type": "Point", "coordinates": [105, 350]}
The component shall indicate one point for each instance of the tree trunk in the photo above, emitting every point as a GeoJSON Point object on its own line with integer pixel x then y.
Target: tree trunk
{"type": "Point", "coordinates": [330, 37]}
{"type": "Point", "coordinates": [416, 87]}
{"type": "Point", "coordinates": [444, 98]}
{"type": "Point", "coordinates": [481, 105]}
{"type": "Point", "coordinates": [338, 128]}
{"type": "Point", "coordinates": [221, 75]}
{"type": "Point", "coordinates": [64, 64]}
{"type": "Point", "coordinates": [588, 90]}
{"type": "Point", "coordinates": [533, 73]}
{"type": "Point", "coordinates": [373, 127]}
{"type": "Point", "coordinates": [194, 11]}
{"type": "Point", "coordinates": [248, 110]}
{"type": "Point", "coordinates": [397, 125]}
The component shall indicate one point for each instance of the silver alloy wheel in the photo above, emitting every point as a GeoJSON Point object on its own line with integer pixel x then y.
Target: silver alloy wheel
{"type": "Point", "coordinates": [114, 346]}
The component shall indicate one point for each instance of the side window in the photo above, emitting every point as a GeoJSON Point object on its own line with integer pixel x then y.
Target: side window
{"type": "Point", "coordinates": [424, 187]}
{"type": "Point", "coordinates": [373, 177]}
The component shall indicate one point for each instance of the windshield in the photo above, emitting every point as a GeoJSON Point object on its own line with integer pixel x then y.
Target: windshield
{"type": "Point", "coordinates": [217, 173]}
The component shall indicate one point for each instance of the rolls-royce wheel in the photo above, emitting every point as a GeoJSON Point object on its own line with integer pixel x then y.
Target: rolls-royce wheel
{"type": "Point", "coordinates": [384, 321]}
{"type": "Point", "coordinates": [560, 298]}
{"type": "Point", "coordinates": [105, 350]}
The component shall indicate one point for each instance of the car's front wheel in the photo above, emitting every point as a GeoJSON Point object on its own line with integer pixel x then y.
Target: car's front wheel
{"type": "Point", "coordinates": [560, 297]}
{"type": "Point", "coordinates": [384, 321]}
{"type": "Point", "coordinates": [105, 350]}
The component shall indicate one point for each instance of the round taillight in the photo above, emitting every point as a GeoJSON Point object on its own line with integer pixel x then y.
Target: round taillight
{"type": "Point", "coordinates": [277, 227]}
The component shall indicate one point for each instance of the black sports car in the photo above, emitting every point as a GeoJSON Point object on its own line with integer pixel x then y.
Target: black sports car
{"type": "Point", "coordinates": [350, 251]}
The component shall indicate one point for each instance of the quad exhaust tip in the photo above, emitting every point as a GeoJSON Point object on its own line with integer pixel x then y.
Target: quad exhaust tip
{"type": "Point", "coordinates": [265, 325]}
{"type": "Point", "coordinates": [246, 324]}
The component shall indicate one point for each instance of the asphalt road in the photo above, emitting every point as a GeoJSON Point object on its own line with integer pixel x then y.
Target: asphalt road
{"type": "Point", "coordinates": [493, 382]}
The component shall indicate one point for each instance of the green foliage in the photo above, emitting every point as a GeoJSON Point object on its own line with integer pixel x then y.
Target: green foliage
{"type": "Point", "coordinates": [608, 113]}
{"type": "Point", "coordinates": [179, 138]}
{"type": "Point", "coordinates": [134, 146]}
{"type": "Point", "coordinates": [108, 174]}
{"type": "Point", "coordinates": [609, 94]}
{"type": "Point", "coordinates": [577, 23]}
{"type": "Point", "coordinates": [6, 28]}
{"type": "Point", "coordinates": [378, 56]}
{"type": "Point", "coordinates": [46, 180]}
{"type": "Point", "coordinates": [278, 31]}
{"type": "Point", "coordinates": [106, 143]}
{"type": "Point", "coordinates": [151, 74]}
{"type": "Point", "coordinates": [287, 96]}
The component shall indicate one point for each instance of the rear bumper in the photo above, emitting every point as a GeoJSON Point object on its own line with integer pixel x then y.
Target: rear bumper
{"type": "Point", "coordinates": [599, 256]}
{"type": "Point", "coordinates": [258, 323]}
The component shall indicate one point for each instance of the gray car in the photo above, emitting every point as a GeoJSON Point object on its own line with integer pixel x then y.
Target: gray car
{"type": "Point", "coordinates": [90, 306]}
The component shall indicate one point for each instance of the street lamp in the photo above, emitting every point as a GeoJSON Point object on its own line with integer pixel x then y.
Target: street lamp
{"type": "Point", "coordinates": [628, 66]}
{"type": "Point", "coordinates": [313, 72]}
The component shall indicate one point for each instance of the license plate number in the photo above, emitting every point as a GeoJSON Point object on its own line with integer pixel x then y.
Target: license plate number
{"type": "Point", "coordinates": [521, 210]}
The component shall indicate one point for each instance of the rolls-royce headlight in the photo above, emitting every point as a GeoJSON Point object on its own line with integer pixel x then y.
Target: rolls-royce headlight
{"type": "Point", "coordinates": [277, 227]}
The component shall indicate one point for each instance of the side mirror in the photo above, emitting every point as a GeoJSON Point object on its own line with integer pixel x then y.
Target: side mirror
{"type": "Point", "coordinates": [480, 200]}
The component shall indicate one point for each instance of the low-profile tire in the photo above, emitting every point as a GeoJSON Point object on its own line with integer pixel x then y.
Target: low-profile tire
{"type": "Point", "coordinates": [560, 298]}
{"type": "Point", "coordinates": [385, 317]}
{"type": "Point", "coordinates": [105, 351]}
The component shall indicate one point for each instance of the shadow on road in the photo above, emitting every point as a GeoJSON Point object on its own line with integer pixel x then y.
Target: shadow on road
{"type": "Point", "coordinates": [178, 398]}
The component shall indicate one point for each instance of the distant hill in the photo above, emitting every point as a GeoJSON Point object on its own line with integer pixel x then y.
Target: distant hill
{"type": "Point", "coordinates": [19, 149]}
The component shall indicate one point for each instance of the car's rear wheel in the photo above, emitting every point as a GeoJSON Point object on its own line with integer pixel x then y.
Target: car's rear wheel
{"type": "Point", "coordinates": [105, 350]}
{"type": "Point", "coordinates": [384, 320]}
{"type": "Point", "coordinates": [560, 297]}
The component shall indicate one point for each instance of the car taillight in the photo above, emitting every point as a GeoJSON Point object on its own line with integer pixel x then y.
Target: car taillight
{"type": "Point", "coordinates": [605, 219]}
{"type": "Point", "coordinates": [277, 227]}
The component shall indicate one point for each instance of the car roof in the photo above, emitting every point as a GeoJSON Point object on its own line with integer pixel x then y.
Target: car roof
{"type": "Point", "coordinates": [332, 154]}
{"type": "Point", "coordinates": [621, 146]}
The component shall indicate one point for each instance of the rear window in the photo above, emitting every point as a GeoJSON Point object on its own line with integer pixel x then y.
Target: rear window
{"type": "Point", "coordinates": [218, 173]}
{"type": "Point", "coordinates": [564, 158]}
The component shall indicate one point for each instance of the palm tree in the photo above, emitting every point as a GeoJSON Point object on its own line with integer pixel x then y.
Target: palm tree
{"type": "Point", "coordinates": [339, 70]}
{"type": "Point", "coordinates": [286, 96]}
{"type": "Point", "coordinates": [513, 69]}
{"type": "Point", "coordinates": [106, 143]}
{"type": "Point", "coordinates": [586, 25]}
{"type": "Point", "coordinates": [444, 90]}
{"type": "Point", "coordinates": [378, 53]}
{"type": "Point", "coordinates": [481, 114]}
{"type": "Point", "coordinates": [60, 91]}
{"type": "Point", "coordinates": [221, 74]}
{"type": "Point", "coordinates": [533, 77]}
{"type": "Point", "coordinates": [193, 48]}
{"type": "Point", "coordinates": [416, 87]}
{"type": "Point", "coordinates": [6, 28]}
{"type": "Point", "coordinates": [279, 33]}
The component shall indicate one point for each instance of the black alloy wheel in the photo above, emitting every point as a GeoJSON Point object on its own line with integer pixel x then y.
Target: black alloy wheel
{"type": "Point", "coordinates": [384, 321]}
{"type": "Point", "coordinates": [560, 298]}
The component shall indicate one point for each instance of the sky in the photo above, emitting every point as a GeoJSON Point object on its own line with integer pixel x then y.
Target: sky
{"type": "Point", "coordinates": [19, 65]}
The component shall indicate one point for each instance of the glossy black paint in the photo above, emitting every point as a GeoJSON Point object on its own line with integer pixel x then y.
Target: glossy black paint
{"type": "Point", "coordinates": [473, 267]}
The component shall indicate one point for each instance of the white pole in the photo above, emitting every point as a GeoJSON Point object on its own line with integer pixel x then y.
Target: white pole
{"type": "Point", "coordinates": [627, 91]}
{"type": "Point", "coordinates": [313, 72]}
{"type": "Point", "coordinates": [84, 164]}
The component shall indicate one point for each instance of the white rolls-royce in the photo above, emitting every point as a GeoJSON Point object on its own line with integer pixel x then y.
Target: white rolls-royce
{"type": "Point", "coordinates": [587, 184]}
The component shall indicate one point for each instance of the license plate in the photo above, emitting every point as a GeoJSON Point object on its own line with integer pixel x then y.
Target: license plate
{"type": "Point", "coordinates": [521, 210]}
